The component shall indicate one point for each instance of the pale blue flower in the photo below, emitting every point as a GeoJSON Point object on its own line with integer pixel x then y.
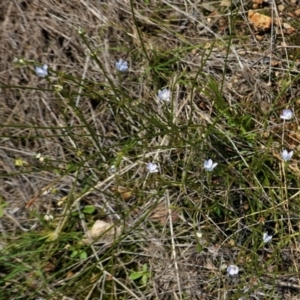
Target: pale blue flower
{"type": "Point", "coordinates": [48, 217]}
{"type": "Point", "coordinates": [209, 165]}
{"type": "Point", "coordinates": [122, 65]}
{"type": "Point", "coordinates": [286, 155]}
{"type": "Point", "coordinates": [41, 71]}
{"type": "Point", "coordinates": [112, 169]}
{"type": "Point", "coordinates": [232, 270]}
{"type": "Point", "coordinates": [287, 114]}
{"type": "Point", "coordinates": [164, 95]}
{"type": "Point", "coordinates": [267, 238]}
{"type": "Point", "coordinates": [152, 168]}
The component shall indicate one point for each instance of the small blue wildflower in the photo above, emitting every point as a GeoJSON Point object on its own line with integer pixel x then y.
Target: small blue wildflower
{"type": "Point", "coordinates": [41, 71]}
{"type": "Point", "coordinates": [164, 95]}
{"type": "Point", "coordinates": [286, 155]}
{"type": "Point", "coordinates": [122, 65]}
{"type": "Point", "coordinates": [209, 165]}
{"type": "Point", "coordinates": [152, 168]}
{"type": "Point", "coordinates": [267, 238]}
{"type": "Point", "coordinates": [287, 114]}
{"type": "Point", "coordinates": [232, 270]}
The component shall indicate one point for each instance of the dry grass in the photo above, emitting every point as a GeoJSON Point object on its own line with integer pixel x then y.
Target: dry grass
{"type": "Point", "coordinates": [182, 227]}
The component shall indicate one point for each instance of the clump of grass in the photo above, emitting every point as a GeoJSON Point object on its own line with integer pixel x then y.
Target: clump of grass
{"type": "Point", "coordinates": [149, 182]}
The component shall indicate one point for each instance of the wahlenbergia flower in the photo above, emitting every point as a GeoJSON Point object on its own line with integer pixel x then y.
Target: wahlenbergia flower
{"type": "Point", "coordinates": [48, 217]}
{"type": "Point", "coordinates": [164, 95]}
{"type": "Point", "coordinates": [122, 65]}
{"type": "Point", "coordinates": [41, 71]}
{"type": "Point", "coordinates": [152, 168]}
{"type": "Point", "coordinates": [286, 155]}
{"type": "Point", "coordinates": [287, 114]}
{"type": "Point", "coordinates": [209, 165]}
{"type": "Point", "coordinates": [267, 238]}
{"type": "Point", "coordinates": [232, 270]}
{"type": "Point", "coordinates": [112, 169]}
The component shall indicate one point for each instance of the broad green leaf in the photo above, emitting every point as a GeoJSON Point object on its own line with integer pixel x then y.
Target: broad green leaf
{"type": "Point", "coordinates": [145, 278]}
{"type": "Point", "coordinates": [145, 267]}
{"type": "Point", "coordinates": [89, 209]}
{"type": "Point", "coordinates": [83, 255]}
{"type": "Point", "coordinates": [74, 253]}
{"type": "Point", "coordinates": [136, 275]}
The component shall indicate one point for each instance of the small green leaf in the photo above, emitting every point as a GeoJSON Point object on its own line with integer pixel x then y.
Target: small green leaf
{"type": "Point", "coordinates": [74, 213]}
{"type": "Point", "coordinates": [145, 278]}
{"type": "Point", "coordinates": [145, 267]}
{"type": "Point", "coordinates": [3, 205]}
{"type": "Point", "coordinates": [199, 248]}
{"type": "Point", "coordinates": [136, 275]}
{"type": "Point", "coordinates": [71, 167]}
{"type": "Point", "coordinates": [74, 253]}
{"type": "Point", "coordinates": [83, 255]}
{"type": "Point", "coordinates": [89, 209]}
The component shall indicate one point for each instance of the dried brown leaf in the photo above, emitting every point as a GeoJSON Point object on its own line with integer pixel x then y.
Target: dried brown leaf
{"type": "Point", "coordinates": [297, 12]}
{"type": "Point", "coordinates": [161, 214]}
{"type": "Point", "coordinates": [102, 232]}
{"type": "Point", "coordinates": [125, 193]}
{"type": "Point", "coordinates": [226, 3]}
{"type": "Point", "coordinates": [259, 20]}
